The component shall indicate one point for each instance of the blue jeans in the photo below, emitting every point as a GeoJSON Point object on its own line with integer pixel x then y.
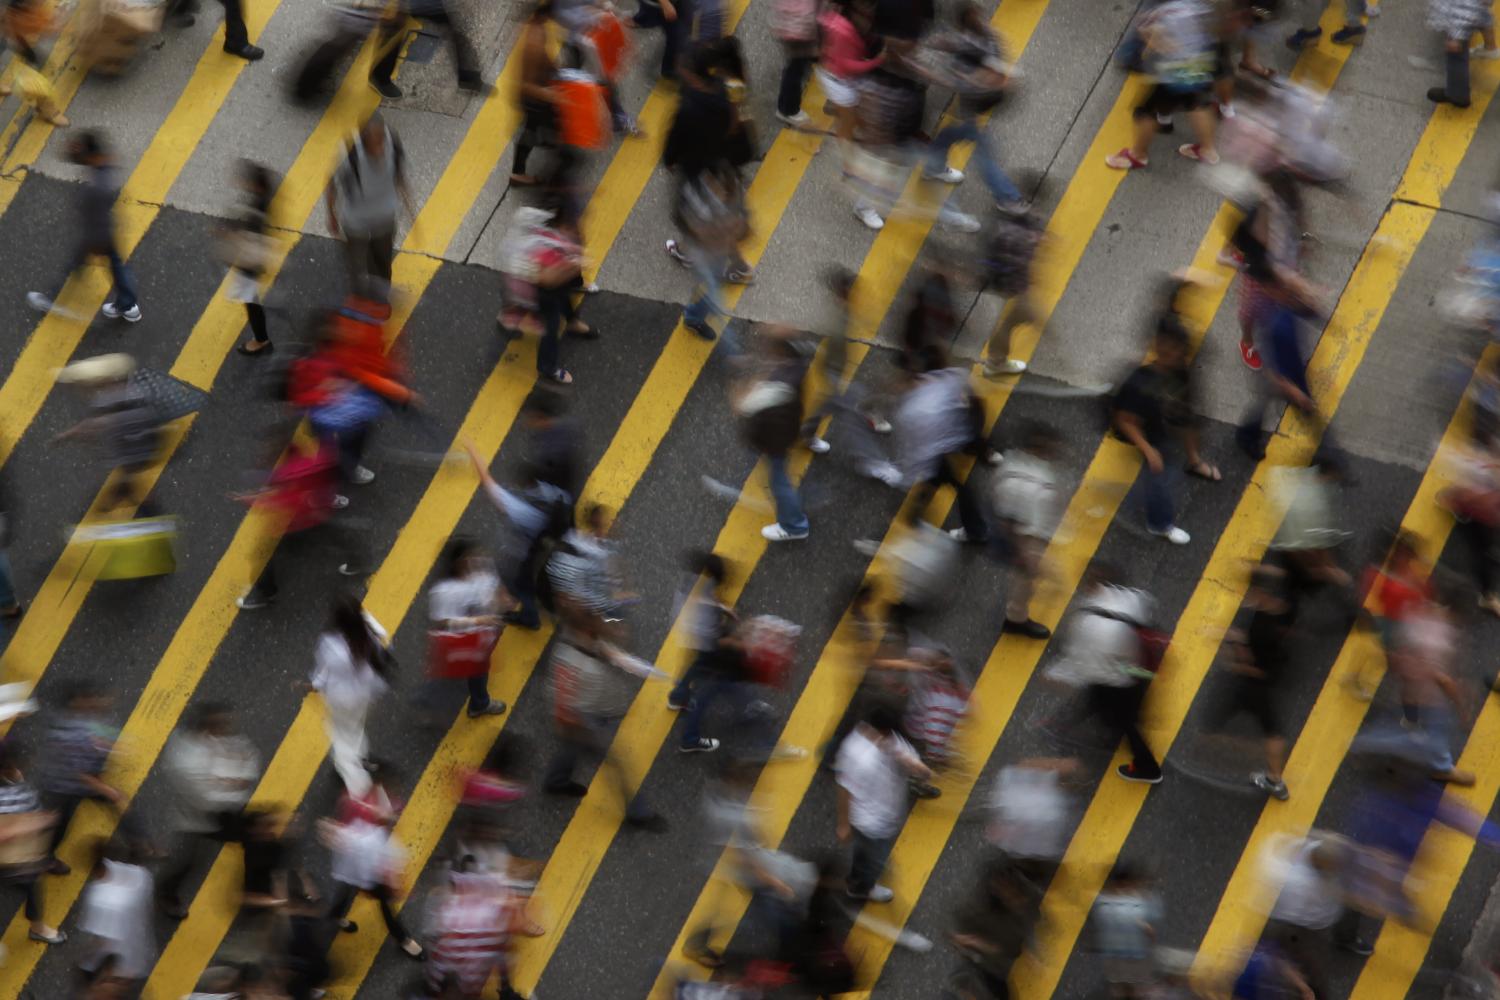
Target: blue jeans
{"type": "Point", "coordinates": [7, 585]}
{"type": "Point", "coordinates": [789, 512]}
{"type": "Point", "coordinates": [709, 268]}
{"type": "Point", "coordinates": [123, 293]}
{"type": "Point", "coordinates": [705, 693]}
{"type": "Point", "coordinates": [1158, 487]}
{"type": "Point", "coordinates": [870, 855]}
{"type": "Point", "coordinates": [968, 130]}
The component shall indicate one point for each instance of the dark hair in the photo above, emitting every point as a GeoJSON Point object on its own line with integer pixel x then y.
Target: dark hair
{"type": "Point", "coordinates": [883, 718]}
{"type": "Point", "coordinates": [261, 183]}
{"type": "Point", "coordinates": [206, 713]}
{"type": "Point", "coordinates": [1169, 330]}
{"type": "Point", "coordinates": [840, 281]}
{"type": "Point", "coordinates": [347, 619]}
{"type": "Point", "coordinates": [545, 403]}
{"type": "Point", "coordinates": [709, 564]}
{"type": "Point", "coordinates": [86, 144]}
{"type": "Point", "coordinates": [454, 553]}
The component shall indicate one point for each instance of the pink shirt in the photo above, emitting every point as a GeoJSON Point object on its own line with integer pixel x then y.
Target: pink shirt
{"type": "Point", "coordinates": [843, 50]}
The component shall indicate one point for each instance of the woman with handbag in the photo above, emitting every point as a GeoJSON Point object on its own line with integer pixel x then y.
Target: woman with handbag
{"type": "Point", "coordinates": [464, 606]}
{"type": "Point", "coordinates": [24, 829]}
{"type": "Point", "coordinates": [248, 249]}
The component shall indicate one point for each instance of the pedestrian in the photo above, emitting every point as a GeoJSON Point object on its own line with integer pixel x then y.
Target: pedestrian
{"type": "Point", "coordinates": [795, 25]}
{"type": "Point", "coordinates": [534, 93]}
{"type": "Point", "coordinates": [1008, 266]}
{"type": "Point", "coordinates": [1180, 59]}
{"type": "Point", "coordinates": [250, 251]}
{"type": "Point", "coordinates": [583, 576]}
{"type": "Point", "coordinates": [1306, 544]}
{"type": "Point", "coordinates": [769, 407]}
{"type": "Point", "coordinates": [123, 419]}
{"type": "Point", "coordinates": [710, 627]}
{"type": "Point", "coordinates": [26, 23]}
{"type": "Point", "coordinates": [1309, 915]}
{"type": "Point", "coordinates": [1030, 810]}
{"type": "Point", "coordinates": [434, 15]}
{"type": "Point", "coordinates": [96, 228]}
{"type": "Point", "coordinates": [1355, 12]}
{"type": "Point", "coordinates": [1473, 497]}
{"type": "Point", "coordinates": [554, 440]}
{"type": "Point", "coordinates": [1028, 509]}
{"type": "Point", "coordinates": [472, 920]}
{"type": "Point", "coordinates": [351, 670]}
{"type": "Point", "coordinates": [991, 928]}
{"type": "Point", "coordinates": [367, 190]}
{"type": "Point", "coordinates": [536, 515]}
{"type": "Point", "coordinates": [711, 214]}
{"type": "Point", "coordinates": [236, 34]}
{"type": "Point", "coordinates": [1155, 402]}
{"type": "Point", "coordinates": [674, 18]}
{"type": "Point", "coordinates": [213, 770]}
{"type": "Point", "coordinates": [77, 747]}
{"type": "Point", "coordinates": [938, 703]}
{"type": "Point", "coordinates": [937, 421]}
{"type": "Point", "coordinates": [1435, 708]}
{"type": "Point", "coordinates": [977, 66]}
{"type": "Point", "coordinates": [117, 917]}
{"type": "Point", "coordinates": [874, 763]}
{"type": "Point", "coordinates": [559, 276]}
{"type": "Point", "coordinates": [464, 607]}
{"type": "Point", "coordinates": [367, 859]}
{"type": "Point", "coordinates": [11, 608]}
{"type": "Point", "coordinates": [1127, 915]}
{"type": "Point", "coordinates": [1457, 21]}
{"type": "Point", "coordinates": [25, 829]}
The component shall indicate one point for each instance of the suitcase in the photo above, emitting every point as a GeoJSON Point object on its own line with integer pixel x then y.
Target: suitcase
{"type": "Point", "coordinates": [133, 549]}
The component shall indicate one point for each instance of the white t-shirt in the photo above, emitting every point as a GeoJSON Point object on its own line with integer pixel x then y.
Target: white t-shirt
{"type": "Point", "coordinates": [875, 781]}
{"type": "Point", "coordinates": [1308, 898]}
{"type": "Point", "coordinates": [117, 909]}
{"type": "Point", "coordinates": [1031, 812]}
{"type": "Point", "coordinates": [466, 597]}
{"type": "Point", "coordinates": [346, 686]}
{"type": "Point", "coordinates": [364, 853]}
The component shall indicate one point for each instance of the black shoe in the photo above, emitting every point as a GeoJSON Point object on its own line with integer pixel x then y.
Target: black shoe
{"type": "Point", "coordinates": [348, 927]}
{"type": "Point", "coordinates": [1130, 773]}
{"type": "Point", "coordinates": [925, 790]}
{"type": "Point", "coordinates": [386, 89]}
{"type": "Point", "coordinates": [1030, 629]}
{"type": "Point", "coordinates": [249, 53]}
{"type": "Point", "coordinates": [652, 823]}
{"type": "Point", "coordinates": [1348, 34]}
{"type": "Point", "coordinates": [1299, 38]}
{"type": "Point", "coordinates": [475, 85]}
{"type": "Point", "coordinates": [1252, 446]}
{"type": "Point", "coordinates": [1437, 95]}
{"type": "Point", "coordinates": [701, 329]}
{"type": "Point", "coordinates": [574, 789]}
{"type": "Point", "coordinates": [1358, 946]}
{"type": "Point", "coordinates": [493, 708]}
{"type": "Point", "coordinates": [172, 909]}
{"type": "Point", "coordinates": [56, 866]}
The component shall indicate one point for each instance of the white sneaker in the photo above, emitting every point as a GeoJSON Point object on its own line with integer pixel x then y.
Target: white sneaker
{"type": "Point", "coordinates": [961, 222]}
{"type": "Point", "coordinates": [1372, 9]}
{"type": "Point", "coordinates": [798, 120]}
{"type": "Point", "coordinates": [869, 217]}
{"type": "Point", "coordinates": [131, 315]}
{"type": "Point", "coordinates": [362, 476]}
{"type": "Point", "coordinates": [1010, 366]}
{"type": "Point", "coordinates": [1226, 110]}
{"type": "Point", "coordinates": [39, 302]}
{"type": "Point", "coordinates": [866, 546]}
{"type": "Point", "coordinates": [1174, 534]}
{"type": "Point", "coordinates": [774, 532]}
{"type": "Point", "coordinates": [818, 446]}
{"type": "Point", "coordinates": [880, 425]}
{"type": "Point", "coordinates": [1480, 52]}
{"type": "Point", "coordinates": [948, 175]}
{"type": "Point", "coordinates": [879, 894]}
{"type": "Point", "coordinates": [339, 501]}
{"type": "Point", "coordinates": [885, 472]}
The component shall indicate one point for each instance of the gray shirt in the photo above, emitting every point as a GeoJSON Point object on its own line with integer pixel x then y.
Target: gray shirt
{"type": "Point", "coordinates": [96, 203]}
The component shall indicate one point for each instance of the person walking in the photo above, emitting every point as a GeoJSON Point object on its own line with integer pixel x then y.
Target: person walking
{"type": "Point", "coordinates": [1027, 504]}
{"type": "Point", "coordinates": [368, 860]}
{"type": "Point", "coordinates": [874, 765]}
{"type": "Point", "coordinates": [936, 421]}
{"type": "Point", "coordinates": [433, 14]}
{"type": "Point", "coordinates": [464, 608]}
{"type": "Point", "coordinates": [534, 93]}
{"type": "Point", "coordinates": [76, 748]}
{"type": "Point", "coordinates": [26, 23]}
{"type": "Point", "coordinates": [795, 25]}
{"type": "Point", "coordinates": [769, 407]}
{"type": "Point", "coordinates": [249, 248]}
{"type": "Point", "coordinates": [1457, 21]}
{"type": "Point", "coordinates": [363, 198]}
{"type": "Point", "coordinates": [182, 13]}
{"type": "Point", "coordinates": [537, 515]}
{"type": "Point", "coordinates": [1180, 57]}
{"type": "Point", "coordinates": [980, 73]}
{"type": "Point", "coordinates": [674, 18]}
{"type": "Point", "coordinates": [96, 228]}
{"type": "Point", "coordinates": [117, 918]}
{"type": "Point", "coordinates": [351, 669]}
{"type": "Point", "coordinates": [11, 608]}
{"type": "Point", "coordinates": [24, 834]}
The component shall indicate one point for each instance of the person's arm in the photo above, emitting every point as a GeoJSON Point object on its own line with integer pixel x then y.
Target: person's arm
{"type": "Point", "coordinates": [536, 66]}
{"type": "Point", "coordinates": [1129, 426]}
{"type": "Point", "coordinates": [668, 10]}
{"type": "Point", "coordinates": [101, 788]}
{"type": "Point", "coordinates": [330, 199]}
{"type": "Point", "coordinates": [843, 831]}
{"type": "Point", "coordinates": [480, 467]}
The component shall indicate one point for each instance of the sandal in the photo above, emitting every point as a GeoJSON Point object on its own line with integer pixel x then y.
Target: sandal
{"type": "Point", "coordinates": [523, 180]}
{"type": "Point", "coordinates": [257, 352]}
{"type": "Point", "coordinates": [578, 328]}
{"type": "Point", "coordinates": [1124, 160]}
{"type": "Point", "coordinates": [530, 928]}
{"type": "Point", "coordinates": [1194, 151]}
{"type": "Point", "coordinates": [1205, 470]}
{"type": "Point", "coordinates": [1264, 72]}
{"type": "Point", "coordinates": [562, 376]}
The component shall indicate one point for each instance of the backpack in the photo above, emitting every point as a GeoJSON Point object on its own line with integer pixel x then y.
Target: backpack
{"type": "Point", "coordinates": [1009, 249]}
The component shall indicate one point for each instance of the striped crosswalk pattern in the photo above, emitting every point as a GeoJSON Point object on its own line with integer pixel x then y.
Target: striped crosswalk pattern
{"type": "Point", "coordinates": [613, 902]}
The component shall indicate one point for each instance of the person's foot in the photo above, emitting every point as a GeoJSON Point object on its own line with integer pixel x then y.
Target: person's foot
{"type": "Point", "coordinates": [1195, 151]}
{"type": "Point", "coordinates": [578, 328]}
{"type": "Point", "coordinates": [1125, 160]}
{"type": "Point", "coordinates": [351, 569]}
{"type": "Point", "coordinates": [131, 315]}
{"type": "Point", "coordinates": [884, 472]}
{"type": "Point", "coordinates": [347, 926]}
{"type": "Point", "coordinates": [47, 935]}
{"type": "Point", "coordinates": [412, 948]}
{"type": "Point", "coordinates": [1164, 123]}
{"type": "Point", "coordinates": [1226, 110]}
{"type": "Point", "coordinates": [172, 909]}
{"type": "Point", "coordinates": [700, 328]}
{"type": "Point", "coordinates": [677, 706]}
{"type": "Point", "coordinates": [494, 707]}
{"type": "Point", "coordinates": [249, 53]}
{"type": "Point", "coordinates": [869, 217]}
{"type": "Point", "coordinates": [362, 475]}
{"type": "Point", "coordinates": [1298, 39]}
{"type": "Point", "coordinates": [1453, 776]}
{"type": "Point", "coordinates": [15, 611]}
{"type": "Point", "coordinates": [1480, 52]}
{"type": "Point", "coordinates": [705, 744]}
{"type": "Point", "coordinates": [776, 533]}
{"type": "Point", "coordinates": [879, 425]}
{"type": "Point", "coordinates": [649, 822]}
{"type": "Point", "coordinates": [1230, 257]}
{"type": "Point", "coordinates": [1357, 946]}
{"type": "Point", "coordinates": [948, 175]}
{"type": "Point", "coordinates": [878, 894]}
{"type": "Point", "coordinates": [475, 85]}
{"type": "Point", "coordinates": [624, 125]}
{"type": "Point", "coordinates": [1348, 34]}
{"type": "Point", "coordinates": [675, 251]}
{"type": "Point", "coordinates": [1253, 446]}
{"type": "Point", "coordinates": [1131, 773]}
{"type": "Point", "coordinates": [1274, 787]}
{"type": "Point", "coordinates": [39, 302]}
{"type": "Point", "coordinates": [818, 446]}
{"type": "Point", "coordinates": [925, 790]}
{"type": "Point", "coordinates": [799, 120]}
{"type": "Point", "coordinates": [1010, 366]}
{"type": "Point", "coordinates": [1250, 356]}
{"type": "Point", "coordinates": [387, 89]}
{"type": "Point", "coordinates": [1437, 95]}
{"type": "Point", "coordinates": [255, 348]}
{"type": "Point", "coordinates": [251, 601]}
{"type": "Point", "coordinates": [56, 119]}
{"type": "Point", "coordinates": [959, 222]}
{"type": "Point", "coordinates": [740, 275]}
{"type": "Point", "coordinates": [1173, 534]}
{"type": "Point", "coordinates": [1029, 629]}
{"type": "Point", "coordinates": [962, 536]}
{"type": "Point", "coordinates": [572, 789]}
{"type": "Point", "coordinates": [1372, 9]}
{"type": "Point", "coordinates": [339, 502]}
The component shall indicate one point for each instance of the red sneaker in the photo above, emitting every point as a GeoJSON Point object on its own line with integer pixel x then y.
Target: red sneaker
{"type": "Point", "coordinates": [1250, 356]}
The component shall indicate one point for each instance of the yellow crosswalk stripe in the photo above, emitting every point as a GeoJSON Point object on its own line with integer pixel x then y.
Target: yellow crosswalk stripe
{"type": "Point", "coordinates": [1335, 718]}
{"type": "Point", "coordinates": [1112, 812]}
{"type": "Point", "coordinates": [57, 336]}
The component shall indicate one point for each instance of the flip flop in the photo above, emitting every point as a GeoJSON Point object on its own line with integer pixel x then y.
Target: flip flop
{"type": "Point", "coordinates": [562, 376]}
{"type": "Point", "coordinates": [1205, 470]}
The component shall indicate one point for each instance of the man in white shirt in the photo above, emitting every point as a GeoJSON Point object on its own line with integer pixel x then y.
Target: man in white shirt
{"type": "Point", "coordinates": [873, 766]}
{"type": "Point", "coordinates": [1027, 508]}
{"type": "Point", "coordinates": [1309, 915]}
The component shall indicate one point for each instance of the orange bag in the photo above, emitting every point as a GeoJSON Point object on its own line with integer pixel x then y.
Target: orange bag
{"type": "Point", "coordinates": [610, 41]}
{"type": "Point", "coordinates": [582, 114]}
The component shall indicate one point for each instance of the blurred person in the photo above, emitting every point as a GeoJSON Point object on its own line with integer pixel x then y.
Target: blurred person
{"type": "Point", "coordinates": [11, 608]}
{"type": "Point", "coordinates": [769, 407]}
{"type": "Point", "coordinates": [236, 34]}
{"type": "Point", "coordinates": [1179, 56]}
{"type": "Point", "coordinates": [1259, 669]}
{"type": "Point", "coordinates": [1153, 404]}
{"type": "Point", "coordinates": [1473, 497]}
{"type": "Point", "coordinates": [1268, 975]}
{"type": "Point", "coordinates": [213, 769]}
{"type": "Point", "coordinates": [433, 14]}
{"type": "Point", "coordinates": [1355, 11]}
{"type": "Point", "coordinates": [463, 606]}
{"type": "Point", "coordinates": [1457, 21]}
{"type": "Point", "coordinates": [117, 918]}
{"type": "Point", "coordinates": [367, 859]}
{"type": "Point", "coordinates": [553, 445]}
{"type": "Point", "coordinates": [534, 93]}
{"type": "Point", "coordinates": [939, 702]}
{"type": "Point", "coordinates": [937, 420]}
{"type": "Point", "coordinates": [582, 574]}
{"type": "Point", "coordinates": [1265, 247]}
{"type": "Point", "coordinates": [990, 930]}
{"type": "Point", "coordinates": [249, 249]}
{"type": "Point", "coordinates": [26, 23]}
{"type": "Point", "coordinates": [122, 418]}
{"type": "Point", "coordinates": [980, 73]}
{"type": "Point", "coordinates": [96, 228]}
{"type": "Point", "coordinates": [1308, 916]}
{"type": "Point", "coordinates": [351, 670]}
{"type": "Point", "coordinates": [674, 18]}
{"type": "Point", "coordinates": [873, 765]}
{"type": "Point", "coordinates": [76, 749]}
{"type": "Point", "coordinates": [711, 213]}
{"type": "Point", "coordinates": [1127, 914]}
{"type": "Point", "coordinates": [25, 829]}
{"type": "Point", "coordinates": [1238, 23]}
{"type": "Point", "coordinates": [303, 961]}
{"type": "Point", "coordinates": [1104, 653]}
{"type": "Point", "coordinates": [844, 58]}
{"type": "Point", "coordinates": [1028, 509]}
{"type": "Point", "coordinates": [1398, 587]}
{"type": "Point", "coordinates": [559, 275]}
{"type": "Point", "coordinates": [711, 625]}
{"type": "Point", "coordinates": [537, 515]}
{"type": "Point", "coordinates": [1009, 268]}
{"type": "Point", "coordinates": [1311, 530]}
{"type": "Point", "coordinates": [1029, 812]}
{"type": "Point", "coordinates": [795, 25]}
{"type": "Point", "coordinates": [472, 919]}
{"type": "Point", "coordinates": [363, 198]}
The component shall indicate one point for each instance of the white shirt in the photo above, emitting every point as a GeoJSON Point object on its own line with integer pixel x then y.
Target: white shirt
{"type": "Point", "coordinates": [117, 909]}
{"type": "Point", "coordinates": [1026, 494]}
{"type": "Point", "coordinates": [465, 597]}
{"type": "Point", "coordinates": [1308, 898]}
{"type": "Point", "coordinates": [346, 686]}
{"type": "Point", "coordinates": [212, 774]}
{"type": "Point", "coordinates": [364, 854]}
{"type": "Point", "coordinates": [1102, 650]}
{"type": "Point", "coordinates": [869, 771]}
{"type": "Point", "coordinates": [1031, 812]}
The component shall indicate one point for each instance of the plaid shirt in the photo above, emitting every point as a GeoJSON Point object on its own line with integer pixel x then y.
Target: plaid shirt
{"type": "Point", "coordinates": [1458, 19]}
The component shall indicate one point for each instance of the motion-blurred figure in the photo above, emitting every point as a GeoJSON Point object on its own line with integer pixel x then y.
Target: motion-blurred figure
{"type": "Point", "coordinates": [351, 669]}
{"type": "Point", "coordinates": [248, 249]}
{"type": "Point", "coordinates": [1030, 809]}
{"type": "Point", "coordinates": [437, 14]}
{"type": "Point", "coordinates": [472, 920]}
{"type": "Point", "coordinates": [25, 831]}
{"type": "Point", "coordinates": [874, 763]}
{"type": "Point", "coordinates": [1457, 21]}
{"type": "Point", "coordinates": [1127, 917]}
{"type": "Point", "coordinates": [26, 23]}
{"type": "Point", "coordinates": [76, 750]}
{"type": "Point", "coordinates": [122, 418]}
{"type": "Point", "coordinates": [1473, 496]}
{"type": "Point", "coordinates": [990, 930]}
{"type": "Point", "coordinates": [768, 403]}
{"type": "Point", "coordinates": [364, 197]}
{"type": "Point", "coordinates": [1179, 56]}
{"type": "Point", "coordinates": [464, 607]}
{"type": "Point", "coordinates": [1308, 916]}
{"type": "Point", "coordinates": [367, 859]}
{"type": "Point", "coordinates": [1028, 508]}
{"type": "Point", "coordinates": [117, 917]}
{"type": "Point", "coordinates": [1008, 265]}
{"type": "Point", "coordinates": [536, 515]}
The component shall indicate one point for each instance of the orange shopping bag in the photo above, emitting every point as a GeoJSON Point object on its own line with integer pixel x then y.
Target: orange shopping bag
{"type": "Point", "coordinates": [610, 42]}
{"type": "Point", "coordinates": [582, 114]}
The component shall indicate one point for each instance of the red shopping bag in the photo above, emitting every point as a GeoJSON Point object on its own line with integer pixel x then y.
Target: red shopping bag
{"type": "Point", "coordinates": [611, 42]}
{"type": "Point", "coordinates": [461, 654]}
{"type": "Point", "coordinates": [582, 114]}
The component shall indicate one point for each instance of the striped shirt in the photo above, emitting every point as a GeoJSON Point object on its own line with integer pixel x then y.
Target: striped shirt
{"type": "Point", "coordinates": [937, 705]}
{"type": "Point", "coordinates": [580, 571]}
{"type": "Point", "coordinates": [471, 933]}
{"type": "Point", "coordinates": [18, 797]}
{"type": "Point", "coordinates": [76, 746]}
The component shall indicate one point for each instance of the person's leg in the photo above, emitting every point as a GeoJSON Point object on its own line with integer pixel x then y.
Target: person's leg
{"type": "Point", "coordinates": [388, 913]}
{"type": "Point", "coordinates": [479, 692]}
{"type": "Point", "coordinates": [255, 313]}
{"type": "Point", "coordinates": [1202, 119]}
{"type": "Point", "coordinates": [789, 512]}
{"type": "Point", "coordinates": [1019, 311]}
{"type": "Point", "coordinates": [65, 806]}
{"type": "Point", "coordinates": [351, 450]}
{"type": "Point", "coordinates": [465, 59]}
{"type": "Point", "coordinates": [8, 600]}
{"type": "Point", "coordinates": [343, 898]}
{"type": "Point", "coordinates": [182, 861]}
{"type": "Point", "coordinates": [1159, 513]}
{"type": "Point", "coordinates": [1131, 698]}
{"type": "Point", "coordinates": [708, 268]}
{"type": "Point", "coordinates": [1456, 63]}
{"type": "Point", "coordinates": [1002, 188]}
{"type": "Point", "coordinates": [347, 746]}
{"type": "Point", "coordinates": [388, 44]}
{"type": "Point", "coordinates": [382, 252]}
{"type": "Point", "coordinates": [1021, 580]}
{"type": "Point", "coordinates": [236, 35]}
{"type": "Point", "coordinates": [559, 775]}
{"type": "Point", "coordinates": [682, 691]}
{"type": "Point", "coordinates": [705, 693]}
{"type": "Point", "coordinates": [548, 351]}
{"type": "Point", "coordinates": [970, 510]}
{"type": "Point", "coordinates": [123, 294]}
{"type": "Point", "coordinates": [867, 864]}
{"type": "Point", "coordinates": [357, 262]}
{"type": "Point", "coordinates": [793, 83]}
{"type": "Point", "coordinates": [935, 156]}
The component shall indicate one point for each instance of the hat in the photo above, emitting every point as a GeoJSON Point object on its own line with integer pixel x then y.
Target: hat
{"type": "Point", "coordinates": [92, 371]}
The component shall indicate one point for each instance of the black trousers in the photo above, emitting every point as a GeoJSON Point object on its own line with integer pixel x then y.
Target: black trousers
{"type": "Point", "coordinates": [794, 80]}
{"type": "Point", "coordinates": [1119, 708]}
{"type": "Point", "coordinates": [464, 56]}
{"type": "Point", "coordinates": [189, 851]}
{"type": "Point", "coordinates": [344, 898]}
{"type": "Point", "coordinates": [970, 510]}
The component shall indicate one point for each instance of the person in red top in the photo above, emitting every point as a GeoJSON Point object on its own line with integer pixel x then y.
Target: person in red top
{"type": "Point", "coordinates": [1399, 588]}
